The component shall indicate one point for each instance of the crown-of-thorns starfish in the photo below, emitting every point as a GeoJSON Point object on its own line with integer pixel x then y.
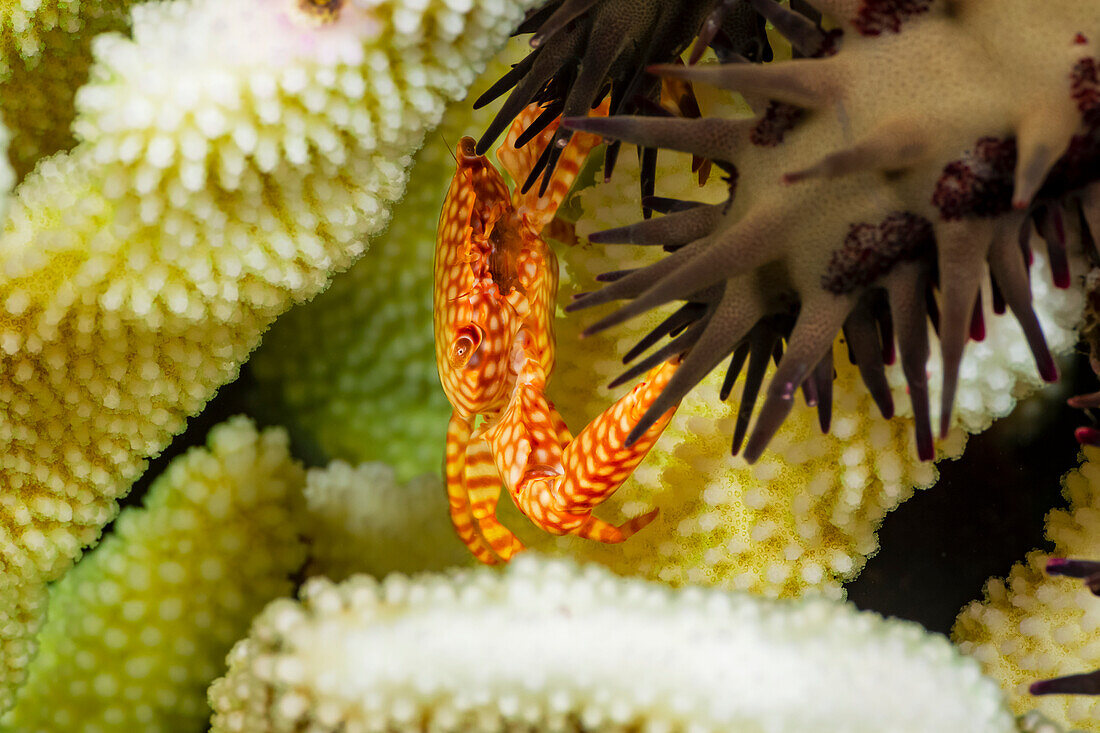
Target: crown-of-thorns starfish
{"type": "Point", "coordinates": [955, 129]}
{"type": "Point", "coordinates": [584, 50]}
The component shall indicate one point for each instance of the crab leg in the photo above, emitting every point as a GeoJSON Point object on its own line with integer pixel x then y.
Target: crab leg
{"type": "Point", "coordinates": [558, 482]}
{"type": "Point", "coordinates": [483, 486]}
{"type": "Point", "coordinates": [472, 493]}
{"type": "Point", "coordinates": [539, 209]}
{"type": "Point", "coordinates": [459, 430]}
{"type": "Point", "coordinates": [596, 462]}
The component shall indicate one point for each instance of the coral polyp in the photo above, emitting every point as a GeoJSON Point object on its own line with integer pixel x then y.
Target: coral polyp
{"type": "Point", "coordinates": [887, 181]}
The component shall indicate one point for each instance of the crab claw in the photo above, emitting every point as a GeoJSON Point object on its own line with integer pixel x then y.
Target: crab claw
{"type": "Point", "coordinates": [564, 479]}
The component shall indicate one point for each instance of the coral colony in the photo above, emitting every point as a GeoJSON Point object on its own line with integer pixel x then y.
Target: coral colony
{"type": "Point", "coordinates": [832, 197]}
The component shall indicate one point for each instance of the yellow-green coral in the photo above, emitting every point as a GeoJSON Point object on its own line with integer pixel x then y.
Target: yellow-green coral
{"type": "Point", "coordinates": [361, 519]}
{"type": "Point", "coordinates": [550, 646]}
{"type": "Point", "coordinates": [1033, 626]}
{"type": "Point", "coordinates": [805, 516]}
{"type": "Point", "coordinates": [141, 626]}
{"type": "Point", "coordinates": [336, 369]}
{"type": "Point", "coordinates": [26, 25]}
{"type": "Point", "coordinates": [231, 157]}
{"type": "Point", "coordinates": [45, 52]}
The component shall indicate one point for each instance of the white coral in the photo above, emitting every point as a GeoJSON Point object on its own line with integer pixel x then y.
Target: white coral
{"type": "Point", "coordinates": [551, 646]}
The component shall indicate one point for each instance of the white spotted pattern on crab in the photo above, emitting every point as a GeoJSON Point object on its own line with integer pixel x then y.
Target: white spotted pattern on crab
{"type": "Point", "coordinates": [978, 121]}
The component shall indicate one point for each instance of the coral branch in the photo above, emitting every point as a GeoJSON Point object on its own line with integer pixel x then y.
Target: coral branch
{"type": "Point", "coordinates": [1032, 626]}
{"type": "Point", "coordinates": [139, 629]}
{"type": "Point", "coordinates": [549, 646]}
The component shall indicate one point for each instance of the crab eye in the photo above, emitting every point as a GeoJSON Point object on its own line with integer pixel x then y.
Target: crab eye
{"type": "Point", "coordinates": [464, 346]}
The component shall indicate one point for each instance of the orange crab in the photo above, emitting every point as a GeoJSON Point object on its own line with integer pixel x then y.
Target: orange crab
{"type": "Point", "coordinates": [495, 284]}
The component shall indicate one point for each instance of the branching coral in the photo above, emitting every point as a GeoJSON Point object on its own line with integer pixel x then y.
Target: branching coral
{"type": "Point", "coordinates": [139, 628]}
{"type": "Point", "coordinates": [1032, 626]}
{"type": "Point", "coordinates": [362, 520]}
{"type": "Point", "coordinates": [923, 182]}
{"type": "Point", "coordinates": [551, 646]}
{"type": "Point", "coordinates": [806, 515]}
{"type": "Point", "coordinates": [221, 174]}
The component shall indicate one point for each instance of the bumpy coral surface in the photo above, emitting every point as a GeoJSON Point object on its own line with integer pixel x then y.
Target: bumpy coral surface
{"type": "Point", "coordinates": [1034, 722]}
{"type": "Point", "coordinates": [362, 519]}
{"type": "Point", "coordinates": [551, 646]}
{"type": "Point", "coordinates": [915, 152]}
{"type": "Point", "coordinates": [45, 53]}
{"type": "Point", "coordinates": [336, 369]}
{"type": "Point", "coordinates": [231, 156]}
{"type": "Point", "coordinates": [7, 173]}
{"type": "Point", "coordinates": [139, 629]}
{"type": "Point", "coordinates": [1032, 626]}
{"type": "Point", "coordinates": [805, 516]}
